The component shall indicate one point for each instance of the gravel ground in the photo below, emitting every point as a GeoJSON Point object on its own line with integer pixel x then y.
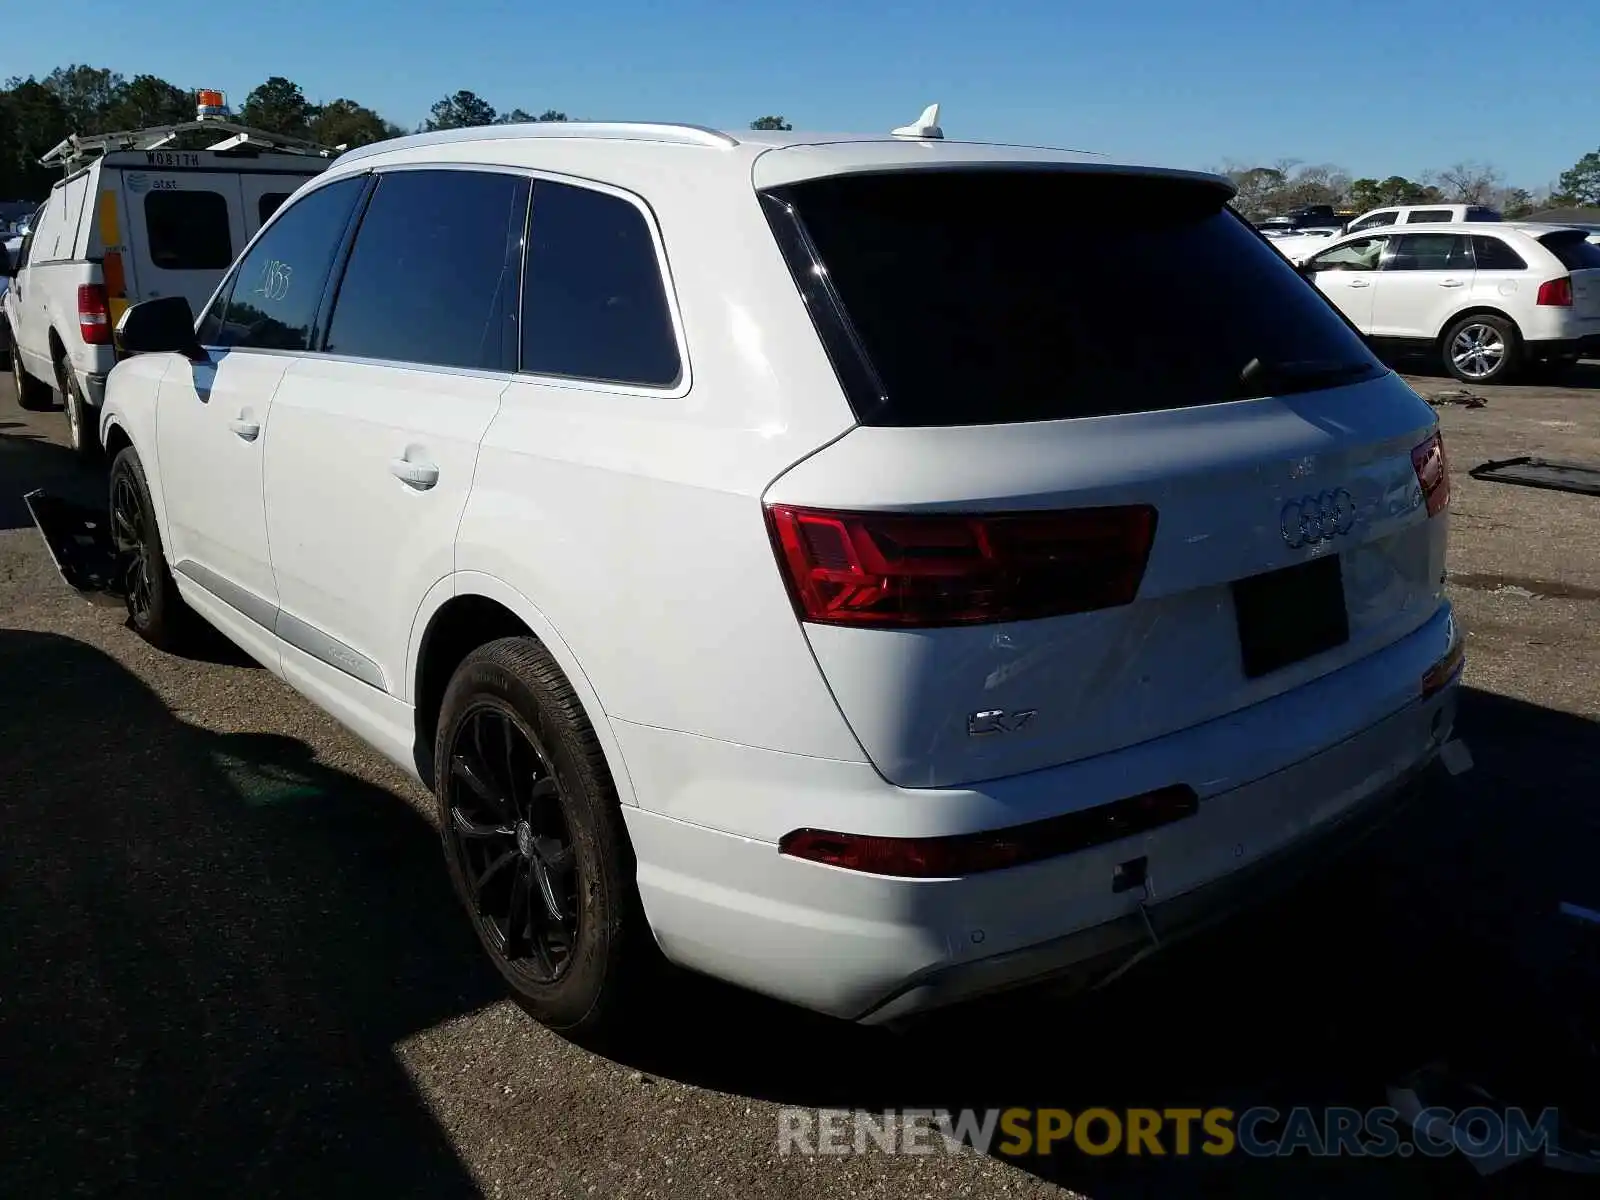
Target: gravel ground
{"type": "Point", "coordinates": [229, 958]}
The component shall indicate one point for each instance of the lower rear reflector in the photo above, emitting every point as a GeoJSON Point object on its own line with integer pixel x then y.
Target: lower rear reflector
{"type": "Point", "coordinates": [995, 849]}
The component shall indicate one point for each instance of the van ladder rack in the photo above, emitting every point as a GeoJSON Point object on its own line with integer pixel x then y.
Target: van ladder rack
{"type": "Point", "coordinates": [75, 150]}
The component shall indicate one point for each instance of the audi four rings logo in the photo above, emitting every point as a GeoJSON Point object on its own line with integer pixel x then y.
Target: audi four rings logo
{"type": "Point", "coordinates": [1320, 518]}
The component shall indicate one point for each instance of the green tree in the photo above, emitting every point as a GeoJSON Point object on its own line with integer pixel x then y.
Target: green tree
{"type": "Point", "coordinates": [279, 106]}
{"type": "Point", "coordinates": [345, 123]}
{"type": "Point", "coordinates": [147, 101]}
{"type": "Point", "coordinates": [1515, 203]}
{"type": "Point", "coordinates": [770, 123]}
{"type": "Point", "coordinates": [551, 114]}
{"type": "Point", "coordinates": [87, 94]}
{"type": "Point", "coordinates": [32, 120]}
{"type": "Point", "coordinates": [1397, 189]}
{"type": "Point", "coordinates": [1581, 184]}
{"type": "Point", "coordinates": [460, 111]}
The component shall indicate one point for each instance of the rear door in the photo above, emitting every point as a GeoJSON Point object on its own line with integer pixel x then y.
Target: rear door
{"type": "Point", "coordinates": [1345, 274]}
{"type": "Point", "coordinates": [1421, 282]}
{"type": "Point", "coordinates": [374, 440]}
{"type": "Point", "coordinates": [184, 228]}
{"type": "Point", "coordinates": [1114, 476]}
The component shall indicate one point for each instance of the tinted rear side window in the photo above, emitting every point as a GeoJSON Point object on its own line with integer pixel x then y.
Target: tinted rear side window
{"type": "Point", "coordinates": [1430, 214]}
{"type": "Point", "coordinates": [594, 304]}
{"type": "Point", "coordinates": [188, 231]}
{"type": "Point", "coordinates": [999, 296]}
{"type": "Point", "coordinates": [432, 275]}
{"type": "Point", "coordinates": [1573, 248]}
{"type": "Point", "coordinates": [1494, 255]}
{"type": "Point", "coordinates": [1483, 214]}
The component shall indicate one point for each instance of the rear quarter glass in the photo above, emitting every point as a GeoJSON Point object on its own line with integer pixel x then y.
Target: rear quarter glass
{"type": "Point", "coordinates": [996, 296]}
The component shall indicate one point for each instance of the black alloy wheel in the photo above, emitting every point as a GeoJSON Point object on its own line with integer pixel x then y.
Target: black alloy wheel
{"type": "Point", "coordinates": [130, 533]}
{"type": "Point", "coordinates": [507, 832]}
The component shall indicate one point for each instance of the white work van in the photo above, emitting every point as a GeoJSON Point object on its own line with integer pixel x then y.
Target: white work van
{"type": "Point", "coordinates": [135, 218]}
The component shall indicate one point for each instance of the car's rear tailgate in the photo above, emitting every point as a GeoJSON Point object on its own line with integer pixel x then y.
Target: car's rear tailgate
{"type": "Point", "coordinates": [1223, 479]}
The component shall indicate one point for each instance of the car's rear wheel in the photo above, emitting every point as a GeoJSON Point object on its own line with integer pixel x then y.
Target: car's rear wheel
{"type": "Point", "coordinates": [83, 431]}
{"type": "Point", "coordinates": [156, 611]}
{"type": "Point", "coordinates": [534, 839]}
{"type": "Point", "coordinates": [32, 394]}
{"type": "Point", "coordinates": [1482, 348]}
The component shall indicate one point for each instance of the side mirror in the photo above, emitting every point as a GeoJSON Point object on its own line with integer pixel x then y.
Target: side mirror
{"type": "Point", "coordinates": [164, 326]}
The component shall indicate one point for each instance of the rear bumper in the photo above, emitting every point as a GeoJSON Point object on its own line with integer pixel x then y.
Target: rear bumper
{"type": "Point", "coordinates": [873, 948]}
{"type": "Point", "coordinates": [1090, 956]}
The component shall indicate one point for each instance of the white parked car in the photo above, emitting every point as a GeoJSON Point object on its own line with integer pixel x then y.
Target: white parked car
{"type": "Point", "coordinates": [1483, 301]}
{"type": "Point", "coordinates": [1423, 214]}
{"type": "Point", "coordinates": [793, 556]}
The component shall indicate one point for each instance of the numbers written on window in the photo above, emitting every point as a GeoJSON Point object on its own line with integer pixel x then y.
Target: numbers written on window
{"type": "Point", "coordinates": [594, 304]}
{"type": "Point", "coordinates": [188, 231]}
{"type": "Point", "coordinates": [432, 276]}
{"type": "Point", "coordinates": [271, 301]}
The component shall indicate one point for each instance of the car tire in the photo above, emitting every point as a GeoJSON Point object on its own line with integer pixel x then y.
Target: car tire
{"type": "Point", "coordinates": [156, 610]}
{"type": "Point", "coordinates": [83, 429]}
{"type": "Point", "coordinates": [32, 394]}
{"type": "Point", "coordinates": [535, 842]}
{"type": "Point", "coordinates": [1482, 348]}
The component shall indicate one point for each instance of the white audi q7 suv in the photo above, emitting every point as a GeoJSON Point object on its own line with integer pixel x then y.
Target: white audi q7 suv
{"type": "Point", "coordinates": [874, 570]}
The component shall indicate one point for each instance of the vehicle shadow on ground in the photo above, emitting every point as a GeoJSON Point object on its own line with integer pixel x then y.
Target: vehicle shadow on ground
{"type": "Point", "coordinates": [28, 461]}
{"type": "Point", "coordinates": [208, 946]}
{"type": "Point", "coordinates": [1438, 942]}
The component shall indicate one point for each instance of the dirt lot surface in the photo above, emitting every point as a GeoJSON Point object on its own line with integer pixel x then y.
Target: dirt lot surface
{"type": "Point", "coordinates": [229, 961]}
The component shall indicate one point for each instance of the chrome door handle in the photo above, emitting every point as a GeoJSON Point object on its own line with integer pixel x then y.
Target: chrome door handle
{"type": "Point", "coordinates": [1355, 283]}
{"type": "Point", "coordinates": [1451, 282]}
{"type": "Point", "coordinates": [420, 475]}
{"type": "Point", "coordinates": [248, 430]}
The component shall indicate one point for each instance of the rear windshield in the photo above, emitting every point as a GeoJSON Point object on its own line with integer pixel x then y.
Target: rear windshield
{"type": "Point", "coordinates": [982, 297]}
{"type": "Point", "coordinates": [1573, 248]}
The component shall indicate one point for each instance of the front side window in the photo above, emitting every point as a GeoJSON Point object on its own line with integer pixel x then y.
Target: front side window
{"type": "Point", "coordinates": [432, 275]}
{"type": "Point", "coordinates": [594, 305]}
{"type": "Point", "coordinates": [188, 231]}
{"type": "Point", "coordinates": [1431, 252]}
{"type": "Point", "coordinates": [271, 302]}
{"type": "Point", "coordinates": [268, 204]}
{"type": "Point", "coordinates": [1360, 255]}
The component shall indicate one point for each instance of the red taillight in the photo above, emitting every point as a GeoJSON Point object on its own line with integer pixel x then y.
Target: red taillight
{"type": "Point", "coordinates": [899, 570]}
{"type": "Point", "coordinates": [1433, 473]}
{"type": "Point", "coordinates": [1557, 293]}
{"type": "Point", "coordinates": [970, 854]}
{"type": "Point", "coordinates": [94, 315]}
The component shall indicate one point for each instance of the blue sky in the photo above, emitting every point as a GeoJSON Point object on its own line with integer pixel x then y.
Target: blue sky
{"type": "Point", "coordinates": [1377, 86]}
